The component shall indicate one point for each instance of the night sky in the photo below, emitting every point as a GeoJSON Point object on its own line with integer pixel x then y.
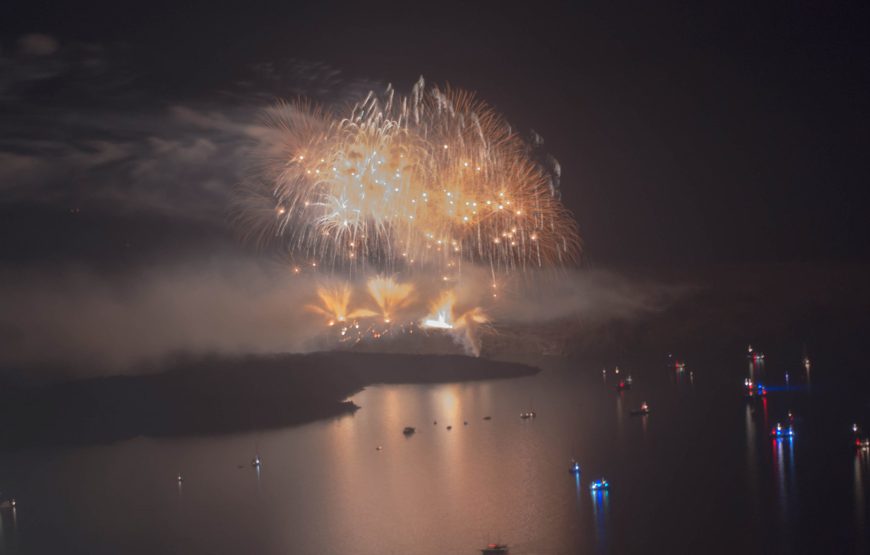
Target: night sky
{"type": "Point", "coordinates": [686, 134]}
{"type": "Point", "coordinates": [689, 136]}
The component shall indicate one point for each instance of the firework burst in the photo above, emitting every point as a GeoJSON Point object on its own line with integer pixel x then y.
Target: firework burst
{"type": "Point", "coordinates": [430, 180]}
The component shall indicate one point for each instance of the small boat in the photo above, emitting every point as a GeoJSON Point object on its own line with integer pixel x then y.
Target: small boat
{"type": "Point", "coordinates": [679, 366]}
{"type": "Point", "coordinates": [449, 427]}
{"type": "Point", "coordinates": [574, 468]}
{"type": "Point", "coordinates": [7, 504]}
{"type": "Point", "coordinates": [495, 549]}
{"type": "Point", "coordinates": [256, 463]}
{"type": "Point", "coordinates": [623, 384]}
{"type": "Point", "coordinates": [642, 411]}
{"type": "Point", "coordinates": [379, 448]}
{"type": "Point", "coordinates": [409, 430]}
{"type": "Point", "coordinates": [180, 479]}
{"type": "Point", "coordinates": [434, 422]}
{"type": "Point", "coordinates": [465, 423]}
{"type": "Point", "coordinates": [599, 485]}
{"type": "Point", "coordinates": [761, 390]}
{"type": "Point", "coordinates": [487, 417]}
{"type": "Point", "coordinates": [527, 414]}
{"type": "Point", "coordinates": [854, 428]}
{"type": "Point", "coordinates": [781, 432]}
{"type": "Point", "coordinates": [862, 443]}
{"type": "Point", "coordinates": [628, 380]}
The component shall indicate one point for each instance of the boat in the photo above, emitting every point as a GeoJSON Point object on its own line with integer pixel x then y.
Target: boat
{"type": "Point", "coordinates": [574, 468]}
{"type": "Point", "coordinates": [256, 463]}
{"type": "Point", "coordinates": [527, 414]}
{"type": "Point", "coordinates": [642, 411]}
{"type": "Point", "coordinates": [862, 443]}
{"type": "Point", "coordinates": [409, 430]}
{"type": "Point", "coordinates": [761, 390]}
{"type": "Point", "coordinates": [487, 417]}
{"type": "Point", "coordinates": [180, 479]}
{"type": "Point", "coordinates": [495, 549]}
{"type": "Point", "coordinates": [7, 503]}
{"type": "Point", "coordinates": [623, 384]}
{"type": "Point", "coordinates": [628, 381]}
{"type": "Point", "coordinates": [679, 366]}
{"type": "Point", "coordinates": [465, 423]}
{"type": "Point", "coordinates": [379, 448]}
{"type": "Point", "coordinates": [782, 432]}
{"type": "Point", "coordinates": [599, 485]}
{"type": "Point", "coordinates": [449, 427]}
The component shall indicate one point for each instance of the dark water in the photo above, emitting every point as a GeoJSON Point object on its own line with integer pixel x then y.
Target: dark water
{"type": "Point", "coordinates": [699, 474]}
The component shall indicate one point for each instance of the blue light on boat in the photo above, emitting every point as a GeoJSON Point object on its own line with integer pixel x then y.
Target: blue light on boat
{"type": "Point", "coordinates": [781, 432]}
{"type": "Point", "coordinates": [599, 485]}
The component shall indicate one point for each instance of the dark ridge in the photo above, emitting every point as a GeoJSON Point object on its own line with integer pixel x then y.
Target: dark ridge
{"type": "Point", "coordinates": [222, 395]}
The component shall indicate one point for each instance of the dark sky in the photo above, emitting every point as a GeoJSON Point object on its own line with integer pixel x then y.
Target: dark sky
{"type": "Point", "coordinates": [686, 134]}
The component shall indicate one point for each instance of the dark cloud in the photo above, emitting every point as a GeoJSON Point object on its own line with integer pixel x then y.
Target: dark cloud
{"type": "Point", "coordinates": [37, 44]}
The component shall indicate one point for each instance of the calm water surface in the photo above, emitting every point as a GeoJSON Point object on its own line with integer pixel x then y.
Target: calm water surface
{"type": "Point", "coordinates": [699, 474]}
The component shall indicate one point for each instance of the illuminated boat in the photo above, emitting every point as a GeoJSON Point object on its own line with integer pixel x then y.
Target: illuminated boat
{"type": "Point", "coordinates": [7, 504]}
{"type": "Point", "coordinates": [180, 478]}
{"type": "Point", "coordinates": [528, 414]}
{"type": "Point", "coordinates": [761, 390]}
{"type": "Point", "coordinates": [642, 411]}
{"type": "Point", "coordinates": [574, 468]}
{"type": "Point", "coordinates": [622, 385]}
{"type": "Point", "coordinates": [409, 430]}
{"type": "Point", "coordinates": [679, 366]}
{"type": "Point", "coordinates": [599, 485]}
{"type": "Point", "coordinates": [782, 432]}
{"type": "Point", "coordinates": [862, 443]}
{"type": "Point", "coordinates": [256, 463]}
{"type": "Point", "coordinates": [754, 356]}
{"type": "Point", "coordinates": [495, 549]}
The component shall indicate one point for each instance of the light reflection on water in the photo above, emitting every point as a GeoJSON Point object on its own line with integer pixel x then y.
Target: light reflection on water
{"type": "Point", "coordinates": [677, 475]}
{"type": "Point", "coordinates": [860, 468]}
{"type": "Point", "coordinates": [600, 510]}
